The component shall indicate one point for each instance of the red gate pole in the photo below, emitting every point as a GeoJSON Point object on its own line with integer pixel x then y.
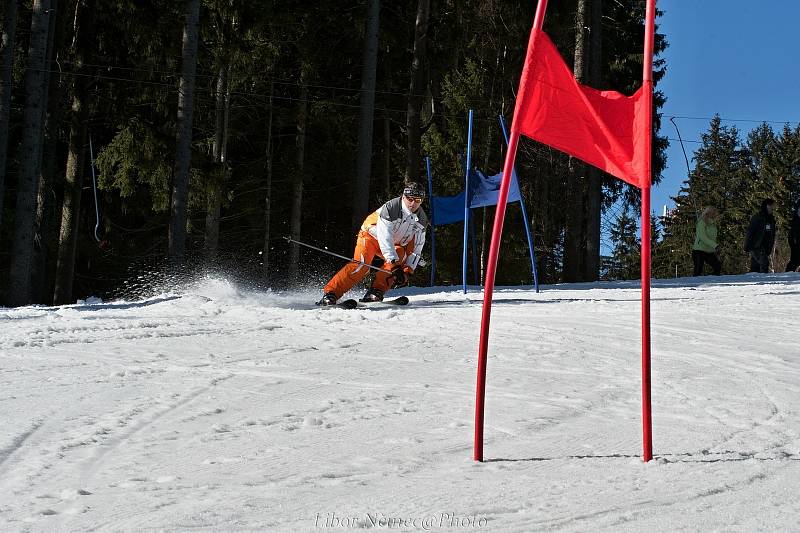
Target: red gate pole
{"type": "Point", "coordinates": [494, 248]}
{"type": "Point", "coordinates": [647, 81]}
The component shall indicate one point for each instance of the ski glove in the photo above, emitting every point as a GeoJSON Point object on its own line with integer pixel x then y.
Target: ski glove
{"type": "Point", "coordinates": [399, 276]}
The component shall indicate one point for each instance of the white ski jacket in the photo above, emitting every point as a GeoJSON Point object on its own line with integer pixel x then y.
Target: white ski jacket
{"type": "Point", "coordinates": [394, 224]}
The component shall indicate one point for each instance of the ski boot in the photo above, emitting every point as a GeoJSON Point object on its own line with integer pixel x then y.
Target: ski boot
{"type": "Point", "coordinates": [373, 295]}
{"type": "Point", "coordinates": [328, 299]}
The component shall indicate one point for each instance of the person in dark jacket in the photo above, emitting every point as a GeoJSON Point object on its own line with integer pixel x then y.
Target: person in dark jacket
{"type": "Point", "coordinates": [760, 238]}
{"type": "Point", "coordinates": [794, 241]}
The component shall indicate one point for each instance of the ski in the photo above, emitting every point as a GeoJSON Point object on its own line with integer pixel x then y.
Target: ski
{"type": "Point", "coordinates": [346, 304]}
{"type": "Point", "coordinates": [400, 300]}
{"type": "Point", "coordinates": [353, 304]}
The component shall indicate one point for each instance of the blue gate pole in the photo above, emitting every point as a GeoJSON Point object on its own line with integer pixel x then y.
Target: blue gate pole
{"type": "Point", "coordinates": [530, 241]}
{"type": "Point", "coordinates": [524, 215]}
{"type": "Point", "coordinates": [466, 203]}
{"type": "Point", "coordinates": [433, 220]}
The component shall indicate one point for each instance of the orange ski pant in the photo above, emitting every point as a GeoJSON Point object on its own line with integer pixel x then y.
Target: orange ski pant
{"type": "Point", "coordinates": [367, 249]}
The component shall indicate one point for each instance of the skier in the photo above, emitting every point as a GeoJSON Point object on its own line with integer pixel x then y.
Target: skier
{"type": "Point", "coordinates": [761, 237]}
{"type": "Point", "coordinates": [794, 241]}
{"type": "Point", "coordinates": [705, 247]}
{"type": "Point", "coordinates": [395, 232]}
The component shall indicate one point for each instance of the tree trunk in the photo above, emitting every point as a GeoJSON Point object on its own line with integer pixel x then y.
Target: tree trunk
{"type": "Point", "coordinates": [217, 178]}
{"type": "Point", "coordinates": [19, 286]}
{"type": "Point", "coordinates": [46, 225]}
{"type": "Point", "coordinates": [490, 127]}
{"type": "Point", "coordinates": [415, 99]}
{"type": "Point", "coordinates": [296, 216]}
{"type": "Point", "coordinates": [594, 193]}
{"type": "Point", "coordinates": [388, 170]}
{"type": "Point", "coordinates": [368, 75]}
{"type": "Point", "coordinates": [68, 237]}
{"type": "Point", "coordinates": [573, 230]}
{"type": "Point", "coordinates": [387, 160]}
{"type": "Point", "coordinates": [73, 179]}
{"type": "Point", "coordinates": [6, 83]}
{"type": "Point", "coordinates": [180, 183]}
{"type": "Point", "coordinates": [268, 186]}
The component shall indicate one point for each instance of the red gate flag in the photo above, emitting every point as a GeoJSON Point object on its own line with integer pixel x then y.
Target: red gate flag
{"type": "Point", "coordinates": [604, 128]}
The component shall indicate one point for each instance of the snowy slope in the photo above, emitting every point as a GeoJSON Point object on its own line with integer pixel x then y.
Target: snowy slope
{"type": "Point", "coordinates": [216, 408]}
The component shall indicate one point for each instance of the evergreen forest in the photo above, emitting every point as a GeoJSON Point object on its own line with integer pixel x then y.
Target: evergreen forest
{"type": "Point", "coordinates": [143, 142]}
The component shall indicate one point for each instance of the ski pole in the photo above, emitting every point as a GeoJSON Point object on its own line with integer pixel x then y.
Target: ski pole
{"type": "Point", "coordinates": [289, 239]}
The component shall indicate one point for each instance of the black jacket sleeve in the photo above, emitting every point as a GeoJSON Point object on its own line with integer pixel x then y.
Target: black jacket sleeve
{"type": "Point", "coordinates": [794, 232]}
{"type": "Point", "coordinates": [755, 233]}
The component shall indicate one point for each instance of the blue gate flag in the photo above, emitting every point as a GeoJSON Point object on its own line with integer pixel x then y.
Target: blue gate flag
{"type": "Point", "coordinates": [483, 191]}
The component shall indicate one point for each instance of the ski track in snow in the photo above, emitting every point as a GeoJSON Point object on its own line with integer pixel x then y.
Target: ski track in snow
{"type": "Point", "coordinates": [220, 409]}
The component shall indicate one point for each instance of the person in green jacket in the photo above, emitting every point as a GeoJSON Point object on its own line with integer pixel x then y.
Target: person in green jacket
{"type": "Point", "coordinates": [705, 242]}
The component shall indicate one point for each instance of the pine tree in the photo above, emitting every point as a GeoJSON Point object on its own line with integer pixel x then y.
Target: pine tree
{"type": "Point", "coordinates": [7, 44]}
{"type": "Point", "coordinates": [73, 179]}
{"type": "Point", "coordinates": [720, 179]}
{"type": "Point", "coordinates": [775, 173]}
{"type": "Point", "coordinates": [416, 90]}
{"type": "Point", "coordinates": [625, 256]}
{"type": "Point", "coordinates": [367, 118]}
{"type": "Point", "coordinates": [180, 177]}
{"type": "Point", "coordinates": [19, 287]}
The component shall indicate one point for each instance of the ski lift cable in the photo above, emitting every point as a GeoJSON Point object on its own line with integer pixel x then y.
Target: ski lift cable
{"type": "Point", "coordinates": [688, 169]}
{"type": "Point", "coordinates": [94, 189]}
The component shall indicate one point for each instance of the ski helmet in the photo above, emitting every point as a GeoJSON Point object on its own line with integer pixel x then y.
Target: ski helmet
{"type": "Point", "coordinates": [414, 189]}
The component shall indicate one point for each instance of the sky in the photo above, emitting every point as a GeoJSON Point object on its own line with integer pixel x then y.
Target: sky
{"type": "Point", "coordinates": [214, 407]}
{"type": "Point", "coordinates": [735, 58]}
